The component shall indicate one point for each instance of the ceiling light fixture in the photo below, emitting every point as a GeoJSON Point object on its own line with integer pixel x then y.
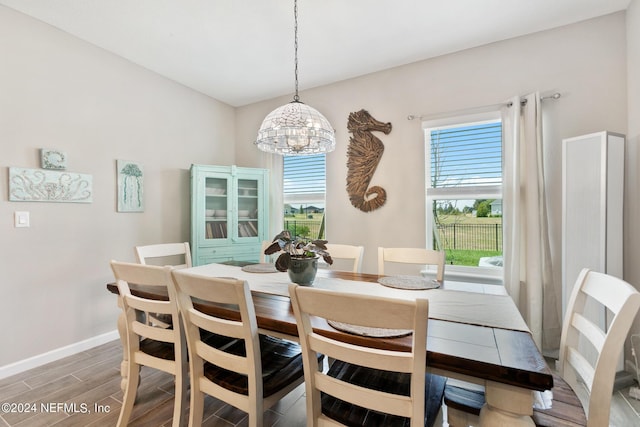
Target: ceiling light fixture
{"type": "Point", "coordinates": [296, 128]}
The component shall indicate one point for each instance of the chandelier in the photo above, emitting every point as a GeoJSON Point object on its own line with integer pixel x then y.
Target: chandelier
{"type": "Point", "coordinates": [295, 128]}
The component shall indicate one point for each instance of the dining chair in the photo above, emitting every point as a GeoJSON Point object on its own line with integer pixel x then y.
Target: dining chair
{"type": "Point", "coordinates": [588, 359]}
{"type": "Point", "coordinates": [163, 251]}
{"type": "Point", "coordinates": [174, 254]}
{"type": "Point", "coordinates": [412, 256]}
{"type": "Point", "coordinates": [347, 252]}
{"type": "Point", "coordinates": [365, 386]}
{"type": "Point", "coordinates": [252, 373]}
{"type": "Point", "coordinates": [147, 344]}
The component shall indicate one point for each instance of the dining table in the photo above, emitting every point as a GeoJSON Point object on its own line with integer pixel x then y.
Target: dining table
{"type": "Point", "coordinates": [475, 331]}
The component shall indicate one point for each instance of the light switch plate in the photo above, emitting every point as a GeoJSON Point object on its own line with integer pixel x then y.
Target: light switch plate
{"type": "Point", "coordinates": [21, 219]}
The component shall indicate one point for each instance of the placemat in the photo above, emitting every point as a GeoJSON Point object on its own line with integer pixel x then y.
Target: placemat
{"type": "Point", "coordinates": [409, 282]}
{"type": "Point", "coordinates": [264, 267]}
{"type": "Point", "coordinates": [368, 331]}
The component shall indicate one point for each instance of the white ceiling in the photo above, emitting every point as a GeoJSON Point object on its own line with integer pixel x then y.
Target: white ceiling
{"type": "Point", "coordinates": [241, 51]}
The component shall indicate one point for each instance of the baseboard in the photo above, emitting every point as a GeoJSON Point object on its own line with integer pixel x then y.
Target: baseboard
{"type": "Point", "coordinates": [59, 353]}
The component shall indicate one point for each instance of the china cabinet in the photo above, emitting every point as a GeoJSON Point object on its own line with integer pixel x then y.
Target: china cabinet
{"type": "Point", "coordinates": [229, 214]}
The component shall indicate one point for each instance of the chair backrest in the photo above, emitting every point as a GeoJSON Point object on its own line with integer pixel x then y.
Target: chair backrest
{"type": "Point", "coordinates": [348, 252]}
{"type": "Point", "coordinates": [145, 254]}
{"type": "Point", "coordinates": [592, 376]}
{"type": "Point", "coordinates": [134, 308]}
{"type": "Point", "coordinates": [147, 343]}
{"type": "Point", "coordinates": [411, 256]}
{"type": "Point", "coordinates": [368, 311]}
{"type": "Point", "coordinates": [225, 291]}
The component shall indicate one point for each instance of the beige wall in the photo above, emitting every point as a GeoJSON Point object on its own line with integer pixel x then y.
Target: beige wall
{"type": "Point", "coordinates": [632, 200]}
{"type": "Point", "coordinates": [585, 61]}
{"type": "Point", "coordinates": [59, 92]}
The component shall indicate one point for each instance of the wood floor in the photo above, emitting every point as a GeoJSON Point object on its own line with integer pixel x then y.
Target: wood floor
{"type": "Point", "coordinates": [84, 390]}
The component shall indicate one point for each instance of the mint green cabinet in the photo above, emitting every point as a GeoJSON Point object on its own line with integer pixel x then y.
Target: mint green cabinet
{"type": "Point", "coordinates": [229, 213]}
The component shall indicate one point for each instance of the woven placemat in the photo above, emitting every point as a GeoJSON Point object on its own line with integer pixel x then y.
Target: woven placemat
{"type": "Point", "coordinates": [368, 331]}
{"type": "Point", "coordinates": [260, 268]}
{"type": "Point", "coordinates": [409, 282]}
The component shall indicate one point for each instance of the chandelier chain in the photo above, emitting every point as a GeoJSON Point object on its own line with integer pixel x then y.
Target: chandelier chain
{"type": "Point", "coordinates": [295, 46]}
{"type": "Point", "coordinates": [295, 129]}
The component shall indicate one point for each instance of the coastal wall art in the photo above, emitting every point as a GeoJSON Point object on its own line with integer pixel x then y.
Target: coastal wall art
{"type": "Point", "coordinates": [363, 155]}
{"type": "Point", "coordinates": [53, 159]}
{"type": "Point", "coordinates": [130, 186]}
{"type": "Point", "coordinates": [40, 185]}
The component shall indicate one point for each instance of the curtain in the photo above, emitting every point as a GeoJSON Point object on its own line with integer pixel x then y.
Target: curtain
{"type": "Point", "coordinates": [273, 162]}
{"type": "Point", "coordinates": [527, 260]}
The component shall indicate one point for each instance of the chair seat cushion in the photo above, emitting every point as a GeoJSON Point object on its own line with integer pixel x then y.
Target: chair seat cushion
{"type": "Point", "coordinates": [566, 409]}
{"type": "Point", "coordinates": [391, 382]}
{"type": "Point", "coordinates": [160, 349]}
{"type": "Point", "coordinates": [165, 350]}
{"type": "Point", "coordinates": [281, 365]}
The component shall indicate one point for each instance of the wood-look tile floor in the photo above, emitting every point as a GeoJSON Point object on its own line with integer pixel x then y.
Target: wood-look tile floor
{"type": "Point", "coordinates": [84, 390]}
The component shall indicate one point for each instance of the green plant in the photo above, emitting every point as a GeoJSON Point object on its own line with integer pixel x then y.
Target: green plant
{"type": "Point", "coordinates": [298, 247]}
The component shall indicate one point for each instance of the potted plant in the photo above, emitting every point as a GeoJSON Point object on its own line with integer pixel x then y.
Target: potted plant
{"type": "Point", "coordinates": [299, 256]}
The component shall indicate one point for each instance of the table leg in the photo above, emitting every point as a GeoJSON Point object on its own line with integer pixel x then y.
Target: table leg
{"type": "Point", "coordinates": [122, 331]}
{"type": "Point", "coordinates": [506, 406]}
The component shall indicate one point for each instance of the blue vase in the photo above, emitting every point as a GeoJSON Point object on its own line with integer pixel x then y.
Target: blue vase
{"type": "Point", "coordinates": [303, 270]}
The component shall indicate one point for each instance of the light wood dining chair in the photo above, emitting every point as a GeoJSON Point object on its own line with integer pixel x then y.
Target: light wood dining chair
{"type": "Point", "coordinates": [365, 386]}
{"type": "Point", "coordinates": [154, 254]}
{"type": "Point", "coordinates": [347, 252]}
{"type": "Point", "coordinates": [177, 255]}
{"type": "Point", "coordinates": [420, 256]}
{"type": "Point", "coordinates": [148, 345]}
{"type": "Point", "coordinates": [254, 372]}
{"type": "Point", "coordinates": [583, 384]}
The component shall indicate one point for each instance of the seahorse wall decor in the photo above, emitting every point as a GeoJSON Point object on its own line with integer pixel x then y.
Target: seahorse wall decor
{"type": "Point", "coordinates": [363, 155]}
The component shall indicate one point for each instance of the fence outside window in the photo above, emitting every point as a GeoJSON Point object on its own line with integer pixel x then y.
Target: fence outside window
{"type": "Point", "coordinates": [312, 229]}
{"type": "Point", "coordinates": [483, 237]}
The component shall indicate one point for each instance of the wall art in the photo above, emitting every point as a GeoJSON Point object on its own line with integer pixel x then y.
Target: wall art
{"type": "Point", "coordinates": [130, 186]}
{"type": "Point", "coordinates": [38, 185]}
{"type": "Point", "coordinates": [363, 155]}
{"type": "Point", "coordinates": [53, 159]}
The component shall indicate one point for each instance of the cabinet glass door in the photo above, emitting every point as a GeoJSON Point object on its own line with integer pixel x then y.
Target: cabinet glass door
{"type": "Point", "coordinates": [248, 208]}
{"type": "Point", "coordinates": [216, 215]}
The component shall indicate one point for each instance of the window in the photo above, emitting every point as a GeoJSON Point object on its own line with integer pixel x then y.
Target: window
{"type": "Point", "coordinates": [464, 191]}
{"type": "Point", "coordinates": [304, 190]}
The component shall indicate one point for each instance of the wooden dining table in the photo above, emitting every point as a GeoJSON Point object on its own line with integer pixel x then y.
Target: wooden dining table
{"type": "Point", "coordinates": [460, 344]}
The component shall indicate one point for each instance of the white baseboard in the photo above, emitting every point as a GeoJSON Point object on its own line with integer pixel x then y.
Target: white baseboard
{"type": "Point", "coordinates": [53, 355]}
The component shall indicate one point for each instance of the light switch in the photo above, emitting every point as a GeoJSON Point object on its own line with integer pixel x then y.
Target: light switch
{"type": "Point", "coordinates": [21, 219]}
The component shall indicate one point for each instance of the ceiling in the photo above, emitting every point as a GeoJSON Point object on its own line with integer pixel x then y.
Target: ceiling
{"type": "Point", "coordinates": [241, 51]}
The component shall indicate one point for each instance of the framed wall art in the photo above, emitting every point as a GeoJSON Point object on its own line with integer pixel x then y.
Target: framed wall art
{"type": "Point", "coordinates": [53, 159]}
{"type": "Point", "coordinates": [41, 185]}
{"type": "Point", "coordinates": [130, 186]}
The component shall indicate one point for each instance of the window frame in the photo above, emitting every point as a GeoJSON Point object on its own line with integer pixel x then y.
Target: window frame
{"type": "Point", "coordinates": [488, 275]}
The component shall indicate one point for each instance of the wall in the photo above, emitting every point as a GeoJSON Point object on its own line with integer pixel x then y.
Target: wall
{"type": "Point", "coordinates": [632, 208]}
{"type": "Point", "coordinates": [59, 92]}
{"type": "Point", "coordinates": [585, 62]}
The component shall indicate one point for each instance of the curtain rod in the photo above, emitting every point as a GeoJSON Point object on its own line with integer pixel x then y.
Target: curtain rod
{"type": "Point", "coordinates": [480, 109]}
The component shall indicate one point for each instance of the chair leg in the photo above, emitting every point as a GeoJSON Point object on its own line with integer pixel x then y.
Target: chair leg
{"type": "Point", "coordinates": [196, 407]}
{"type": "Point", "coordinates": [180, 404]}
{"type": "Point", "coordinates": [133, 380]}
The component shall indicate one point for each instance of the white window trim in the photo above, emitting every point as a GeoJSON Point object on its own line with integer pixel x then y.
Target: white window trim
{"type": "Point", "coordinates": [487, 275]}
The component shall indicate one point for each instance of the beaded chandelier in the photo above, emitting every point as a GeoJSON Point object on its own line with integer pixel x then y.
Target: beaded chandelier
{"type": "Point", "coordinates": [296, 128]}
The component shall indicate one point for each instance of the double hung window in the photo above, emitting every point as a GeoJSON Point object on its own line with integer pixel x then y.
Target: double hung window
{"type": "Point", "coordinates": [464, 191]}
{"type": "Point", "coordinates": [304, 188]}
